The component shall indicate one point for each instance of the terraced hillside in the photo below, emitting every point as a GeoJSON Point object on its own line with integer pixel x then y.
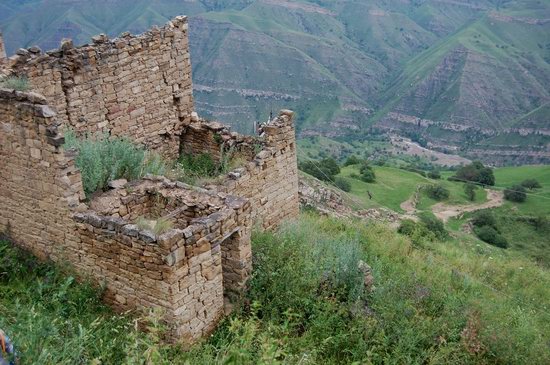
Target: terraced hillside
{"type": "Point", "coordinates": [466, 76]}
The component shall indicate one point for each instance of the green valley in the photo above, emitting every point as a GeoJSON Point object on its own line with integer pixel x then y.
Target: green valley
{"type": "Point", "coordinates": [467, 77]}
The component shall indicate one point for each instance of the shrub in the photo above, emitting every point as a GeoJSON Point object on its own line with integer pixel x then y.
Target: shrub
{"type": "Point", "coordinates": [416, 231]}
{"type": "Point", "coordinates": [101, 159]}
{"type": "Point", "coordinates": [15, 82]}
{"type": "Point", "coordinates": [367, 172]}
{"type": "Point", "coordinates": [342, 184]}
{"type": "Point", "coordinates": [434, 225]}
{"type": "Point", "coordinates": [470, 191]}
{"type": "Point", "coordinates": [531, 184]}
{"type": "Point", "coordinates": [515, 194]}
{"type": "Point", "coordinates": [436, 175]}
{"type": "Point", "coordinates": [484, 218]}
{"type": "Point", "coordinates": [437, 192]}
{"type": "Point", "coordinates": [491, 236]}
{"type": "Point", "coordinates": [198, 165]}
{"type": "Point", "coordinates": [324, 170]}
{"type": "Point", "coordinates": [368, 176]}
{"type": "Point", "coordinates": [352, 160]}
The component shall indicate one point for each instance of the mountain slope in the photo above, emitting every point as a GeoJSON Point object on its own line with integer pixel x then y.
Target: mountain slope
{"type": "Point", "coordinates": [461, 66]}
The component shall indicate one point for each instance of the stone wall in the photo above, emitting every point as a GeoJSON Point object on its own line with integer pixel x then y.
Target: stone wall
{"type": "Point", "coordinates": [185, 270]}
{"type": "Point", "coordinates": [269, 177]}
{"type": "Point", "coordinates": [270, 180]}
{"type": "Point", "coordinates": [134, 86]}
{"type": "Point", "coordinates": [39, 184]}
{"type": "Point", "coordinates": [139, 88]}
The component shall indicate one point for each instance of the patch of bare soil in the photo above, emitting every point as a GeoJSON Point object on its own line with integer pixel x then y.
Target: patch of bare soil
{"type": "Point", "coordinates": [446, 212]}
{"type": "Point", "coordinates": [409, 206]}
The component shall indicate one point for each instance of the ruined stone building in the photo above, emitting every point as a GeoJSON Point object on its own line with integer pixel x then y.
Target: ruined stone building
{"type": "Point", "coordinates": [138, 87]}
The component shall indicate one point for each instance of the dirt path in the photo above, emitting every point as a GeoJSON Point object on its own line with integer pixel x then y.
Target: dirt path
{"type": "Point", "coordinates": [446, 212]}
{"type": "Point", "coordinates": [409, 206]}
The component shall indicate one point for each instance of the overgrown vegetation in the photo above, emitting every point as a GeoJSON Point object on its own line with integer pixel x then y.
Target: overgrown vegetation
{"type": "Point", "coordinates": [439, 303]}
{"type": "Point", "coordinates": [15, 82]}
{"type": "Point", "coordinates": [102, 159]}
{"type": "Point", "coordinates": [428, 229]}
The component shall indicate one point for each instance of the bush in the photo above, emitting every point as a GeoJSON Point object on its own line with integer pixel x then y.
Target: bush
{"type": "Point", "coordinates": [101, 160]}
{"type": "Point", "coordinates": [436, 175]}
{"type": "Point", "coordinates": [368, 176]}
{"type": "Point", "coordinates": [324, 170]}
{"type": "Point", "coordinates": [367, 173]}
{"type": "Point", "coordinates": [470, 191]}
{"type": "Point", "coordinates": [15, 82]}
{"type": "Point", "coordinates": [484, 218]}
{"type": "Point", "coordinates": [516, 194]}
{"type": "Point", "coordinates": [491, 236]}
{"type": "Point", "coordinates": [342, 184]}
{"type": "Point", "coordinates": [199, 165]}
{"type": "Point", "coordinates": [352, 160]}
{"type": "Point", "coordinates": [437, 192]}
{"type": "Point", "coordinates": [531, 184]}
{"type": "Point", "coordinates": [434, 225]}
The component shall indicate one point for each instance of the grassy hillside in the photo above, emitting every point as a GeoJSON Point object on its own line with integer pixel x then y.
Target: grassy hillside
{"type": "Point", "coordinates": [453, 302]}
{"type": "Point", "coordinates": [393, 186]}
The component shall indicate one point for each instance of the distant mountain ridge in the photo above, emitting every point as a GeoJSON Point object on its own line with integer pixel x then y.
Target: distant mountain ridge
{"type": "Point", "coordinates": [477, 73]}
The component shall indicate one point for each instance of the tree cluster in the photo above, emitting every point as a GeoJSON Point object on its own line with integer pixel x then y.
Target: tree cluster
{"type": "Point", "coordinates": [475, 172]}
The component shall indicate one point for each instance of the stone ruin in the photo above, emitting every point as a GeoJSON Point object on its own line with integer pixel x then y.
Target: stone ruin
{"type": "Point", "coordinates": [138, 87]}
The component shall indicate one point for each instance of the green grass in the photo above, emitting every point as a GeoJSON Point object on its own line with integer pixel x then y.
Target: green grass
{"type": "Point", "coordinates": [538, 200]}
{"type": "Point", "coordinates": [456, 197]}
{"type": "Point", "coordinates": [392, 187]}
{"type": "Point", "coordinates": [452, 302]}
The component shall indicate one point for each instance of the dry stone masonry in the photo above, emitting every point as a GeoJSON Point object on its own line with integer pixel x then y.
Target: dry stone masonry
{"type": "Point", "coordinates": [139, 87]}
{"type": "Point", "coordinates": [134, 86]}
